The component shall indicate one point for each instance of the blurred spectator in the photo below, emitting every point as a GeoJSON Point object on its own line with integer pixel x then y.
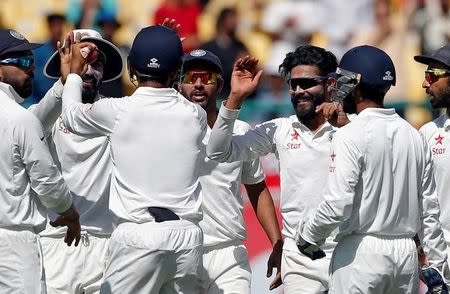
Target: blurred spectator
{"type": "Point", "coordinates": [226, 45]}
{"type": "Point", "coordinates": [186, 13]}
{"type": "Point", "coordinates": [84, 14]}
{"type": "Point", "coordinates": [340, 19]}
{"type": "Point", "coordinates": [56, 24]}
{"type": "Point", "coordinates": [390, 33]}
{"type": "Point", "coordinates": [273, 99]}
{"type": "Point", "coordinates": [291, 21]}
{"type": "Point", "coordinates": [109, 25]}
{"type": "Point", "coordinates": [436, 30]}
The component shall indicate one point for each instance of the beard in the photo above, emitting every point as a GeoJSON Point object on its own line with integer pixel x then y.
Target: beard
{"type": "Point", "coordinates": [305, 115]}
{"type": "Point", "coordinates": [441, 99]}
{"type": "Point", "coordinates": [24, 89]}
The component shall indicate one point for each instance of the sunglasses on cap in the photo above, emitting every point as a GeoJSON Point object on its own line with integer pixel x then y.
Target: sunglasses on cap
{"type": "Point", "coordinates": [433, 74]}
{"type": "Point", "coordinates": [206, 77]}
{"type": "Point", "coordinates": [305, 83]}
{"type": "Point", "coordinates": [25, 61]}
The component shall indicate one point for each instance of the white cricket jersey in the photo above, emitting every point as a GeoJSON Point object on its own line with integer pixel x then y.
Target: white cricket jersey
{"type": "Point", "coordinates": [381, 183]}
{"type": "Point", "coordinates": [222, 205]}
{"type": "Point", "coordinates": [27, 170]}
{"type": "Point", "coordinates": [303, 160]}
{"type": "Point", "coordinates": [85, 164]}
{"type": "Point", "coordinates": [437, 134]}
{"type": "Point", "coordinates": [155, 138]}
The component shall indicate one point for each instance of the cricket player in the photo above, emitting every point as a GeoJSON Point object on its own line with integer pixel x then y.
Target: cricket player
{"type": "Point", "coordinates": [301, 143]}
{"type": "Point", "coordinates": [226, 268]}
{"type": "Point", "coordinates": [155, 139]}
{"type": "Point", "coordinates": [436, 133]}
{"type": "Point", "coordinates": [30, 179]}
{"type": "Point", "coordinates": [380, 191]}
{"type": "Point", "coordinates": [85, 164]}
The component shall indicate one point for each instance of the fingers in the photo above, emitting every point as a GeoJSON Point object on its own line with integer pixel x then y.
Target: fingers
{"type": "Point", "coordinates": [276, 282]}
{"type": "Point", "coordinates": [270, 267]}
{"type": "Point", "coordinates": [258, 76]}
{"type": "Point", "coordinates": [171, 24]}
{"type": "Point", "coordinates": [58, 222]}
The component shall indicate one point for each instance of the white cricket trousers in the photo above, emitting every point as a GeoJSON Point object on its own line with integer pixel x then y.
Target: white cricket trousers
{"type": "Point", "coordinates": [302, 275]}
{"type": "Point", "coordinates": [21, 265]}
{"type": "Point", "coordinates": [226, 269]}
{"type": "Point", "coordinates": [74, 270]}
{"type": "Point", "coordinates": [374, 265]}
{"type": "Point", "coordinates": [154, 258]}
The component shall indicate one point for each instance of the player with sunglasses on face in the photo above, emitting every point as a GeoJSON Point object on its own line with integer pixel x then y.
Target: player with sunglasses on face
{"type": "Point", "coordinates": [222, 203]}
{"type": "Point", "coordinates": [437, 132]}
{"type": "Point", "coordinates": [302, 144]}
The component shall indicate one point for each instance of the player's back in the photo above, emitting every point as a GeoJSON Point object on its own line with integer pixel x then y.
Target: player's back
{"type": "Point", "coordinates": [156, 148]}
{"type": "Point", "coordinates": [392, 160]}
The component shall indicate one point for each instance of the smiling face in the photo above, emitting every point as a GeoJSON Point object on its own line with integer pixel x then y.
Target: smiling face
{"type": "Point", "coordinates": [437, 87]}
{"type": "Point", "coordinates": [306, 100]}
{"type": "Point", "coordinates": [92, 79]}
{"type": "Point", "coordinates": [201, 84]}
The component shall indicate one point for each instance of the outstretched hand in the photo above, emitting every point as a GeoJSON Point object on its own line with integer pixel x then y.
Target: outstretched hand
{"type": "Point", "coordinates": [81, 55]}
{"type": "Point", "coordinates": [172, 24]}
{"type": "Point", "coordinates": [244, 80]}
{"type": "Point", "coordinates": [64, 50]}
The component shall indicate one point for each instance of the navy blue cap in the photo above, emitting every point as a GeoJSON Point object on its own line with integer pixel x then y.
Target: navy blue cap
{"type": "Point", "coordinates": [205, 56]}
{"type": "Point", "coordinates": [156, 50]}
{"type": "Point", "coordinates": [374, 65]}
{"type": "Point", "coordinates": [12, 41]}
{"type": "Point", "coordinates": [441, 55]}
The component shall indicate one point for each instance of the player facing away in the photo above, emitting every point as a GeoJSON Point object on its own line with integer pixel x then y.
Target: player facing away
{"type": "Point", "coordinates": [155, 139]}
{"type": "Point", "coordinates": [30, 179]}
{"type": "Point", "coordinates": [437, 132]}
{"type": "Point", "coordinates": [301, 143]}
{"type": "Point", "coordinates": [85, 164]}
{"type": "Point", "coordinates": [226, 268]}
{"type": "Point", "coordinates": [381, 190]}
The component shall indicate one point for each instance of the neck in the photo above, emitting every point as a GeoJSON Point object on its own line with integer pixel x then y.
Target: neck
{"type": "Point", "coordinates": [211, 113]}
{"type": "Point", "coordinates": [367, 104]}
{"type": "Point", "coordinates": [152, 84]}
{"type": "Point", "coordinates": [315, 123]}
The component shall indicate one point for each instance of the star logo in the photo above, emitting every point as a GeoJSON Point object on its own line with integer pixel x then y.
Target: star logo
{"type": "Point", "coordinates": [295, 135]}
{"type": "Point", "coordinates": [333, 155]}
{"type": "Point", "coordinates": [439, 139]}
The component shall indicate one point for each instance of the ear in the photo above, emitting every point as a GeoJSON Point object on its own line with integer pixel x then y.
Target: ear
{"type": "Point", "coordinates": [220, 83]}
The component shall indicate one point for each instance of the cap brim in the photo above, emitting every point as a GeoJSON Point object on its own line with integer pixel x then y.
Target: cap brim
{"type": "Point", "coordinates": [112, 70]}
{"type": "Point", "coordinates": [426, 59]}
{"type": "Point", "coordinates": [22, 47]}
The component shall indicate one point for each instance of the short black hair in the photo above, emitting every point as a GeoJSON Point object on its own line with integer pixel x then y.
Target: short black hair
{"type": "Point", "coordinates": [309, 55]}
{"type": "Point", "coordinates": [55, 17]}
{"type": "Point", "coordinates": [224, 13]}
{"type": "Point", "coordinates": [373, 93]}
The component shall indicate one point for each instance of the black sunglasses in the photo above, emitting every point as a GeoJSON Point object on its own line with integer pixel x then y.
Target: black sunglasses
{"type": "Point", "coordinates": [305, 83]}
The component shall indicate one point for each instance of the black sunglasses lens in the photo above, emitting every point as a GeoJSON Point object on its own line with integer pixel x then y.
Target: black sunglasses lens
{"type": "Point", "coordinates": [303, 83]}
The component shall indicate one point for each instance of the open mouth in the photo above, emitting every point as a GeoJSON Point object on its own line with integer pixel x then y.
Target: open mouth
{"type": "Point", "coordinates": [198, 96]}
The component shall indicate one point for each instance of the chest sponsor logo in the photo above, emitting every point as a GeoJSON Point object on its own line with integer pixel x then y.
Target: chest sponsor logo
{"type": "Point", "coordinates": [332, 167]}
{"type": "Point", "coordinates": [439, 149]}
{"type": "Point", "coordinates": [62, 128]}
{"type": "Point", "coordinates": [294, 144]}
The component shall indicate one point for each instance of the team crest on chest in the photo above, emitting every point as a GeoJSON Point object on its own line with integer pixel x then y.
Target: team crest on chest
{"type": "Point", "coordinates": [332, 165]}
{"type": "Point", "coordinates": [438, 149]}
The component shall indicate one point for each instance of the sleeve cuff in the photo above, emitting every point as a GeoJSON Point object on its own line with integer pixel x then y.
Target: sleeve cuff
{"type": "Point", "coordinates": [65, 205]}
{"type": "Point", "coordinates": [74, 78]}
{"type": "Point", "coordinates": [58, 88]}
{"type": "Point", "coordinates": [228, 113]}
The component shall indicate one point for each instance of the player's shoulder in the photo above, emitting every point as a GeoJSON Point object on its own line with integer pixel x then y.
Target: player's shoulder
{"type": "Point", "coordinates": [435, 124]}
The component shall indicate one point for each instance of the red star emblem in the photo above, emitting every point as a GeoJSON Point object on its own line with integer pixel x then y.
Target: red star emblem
{"type": "Point", "coordinates": [332, 155]}
{"type": "Point", "coordinates": [439, 139]}
{"type": "Point", "coordinates": [295, 135]}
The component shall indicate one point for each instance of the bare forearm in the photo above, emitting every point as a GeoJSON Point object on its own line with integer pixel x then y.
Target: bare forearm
{"type": "Point", "coordinates": [264, 208]}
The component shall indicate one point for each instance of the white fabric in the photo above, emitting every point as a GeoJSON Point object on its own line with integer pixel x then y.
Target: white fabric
{"type": "Point", "coordinates": [27, 170]}
{"type": "Point", "coordinates": [135, 264]}
{"type": "Point", "coordinates": [374, 265]}
{"type": "Point", "coordinates": [303, 160]}
{"type": "Point", "coordinates": [222, 205]}
{"type": "Point", "coordinates": [437, 135]}
{"type": "Point", "coordinates": [381, 184]}
{"type": "Point", "coordinates": [85, 164]}
{"type": "Point", "coordinates": [74, 270]}
{"type": "Point", "coordinates": [21, 268]}
{"type": "Point", "coordinates": [155, 137]}
{"type": "Point", "coordinates": [300, 274]}
{"type": "Point", "coordinates": [226, 270]}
